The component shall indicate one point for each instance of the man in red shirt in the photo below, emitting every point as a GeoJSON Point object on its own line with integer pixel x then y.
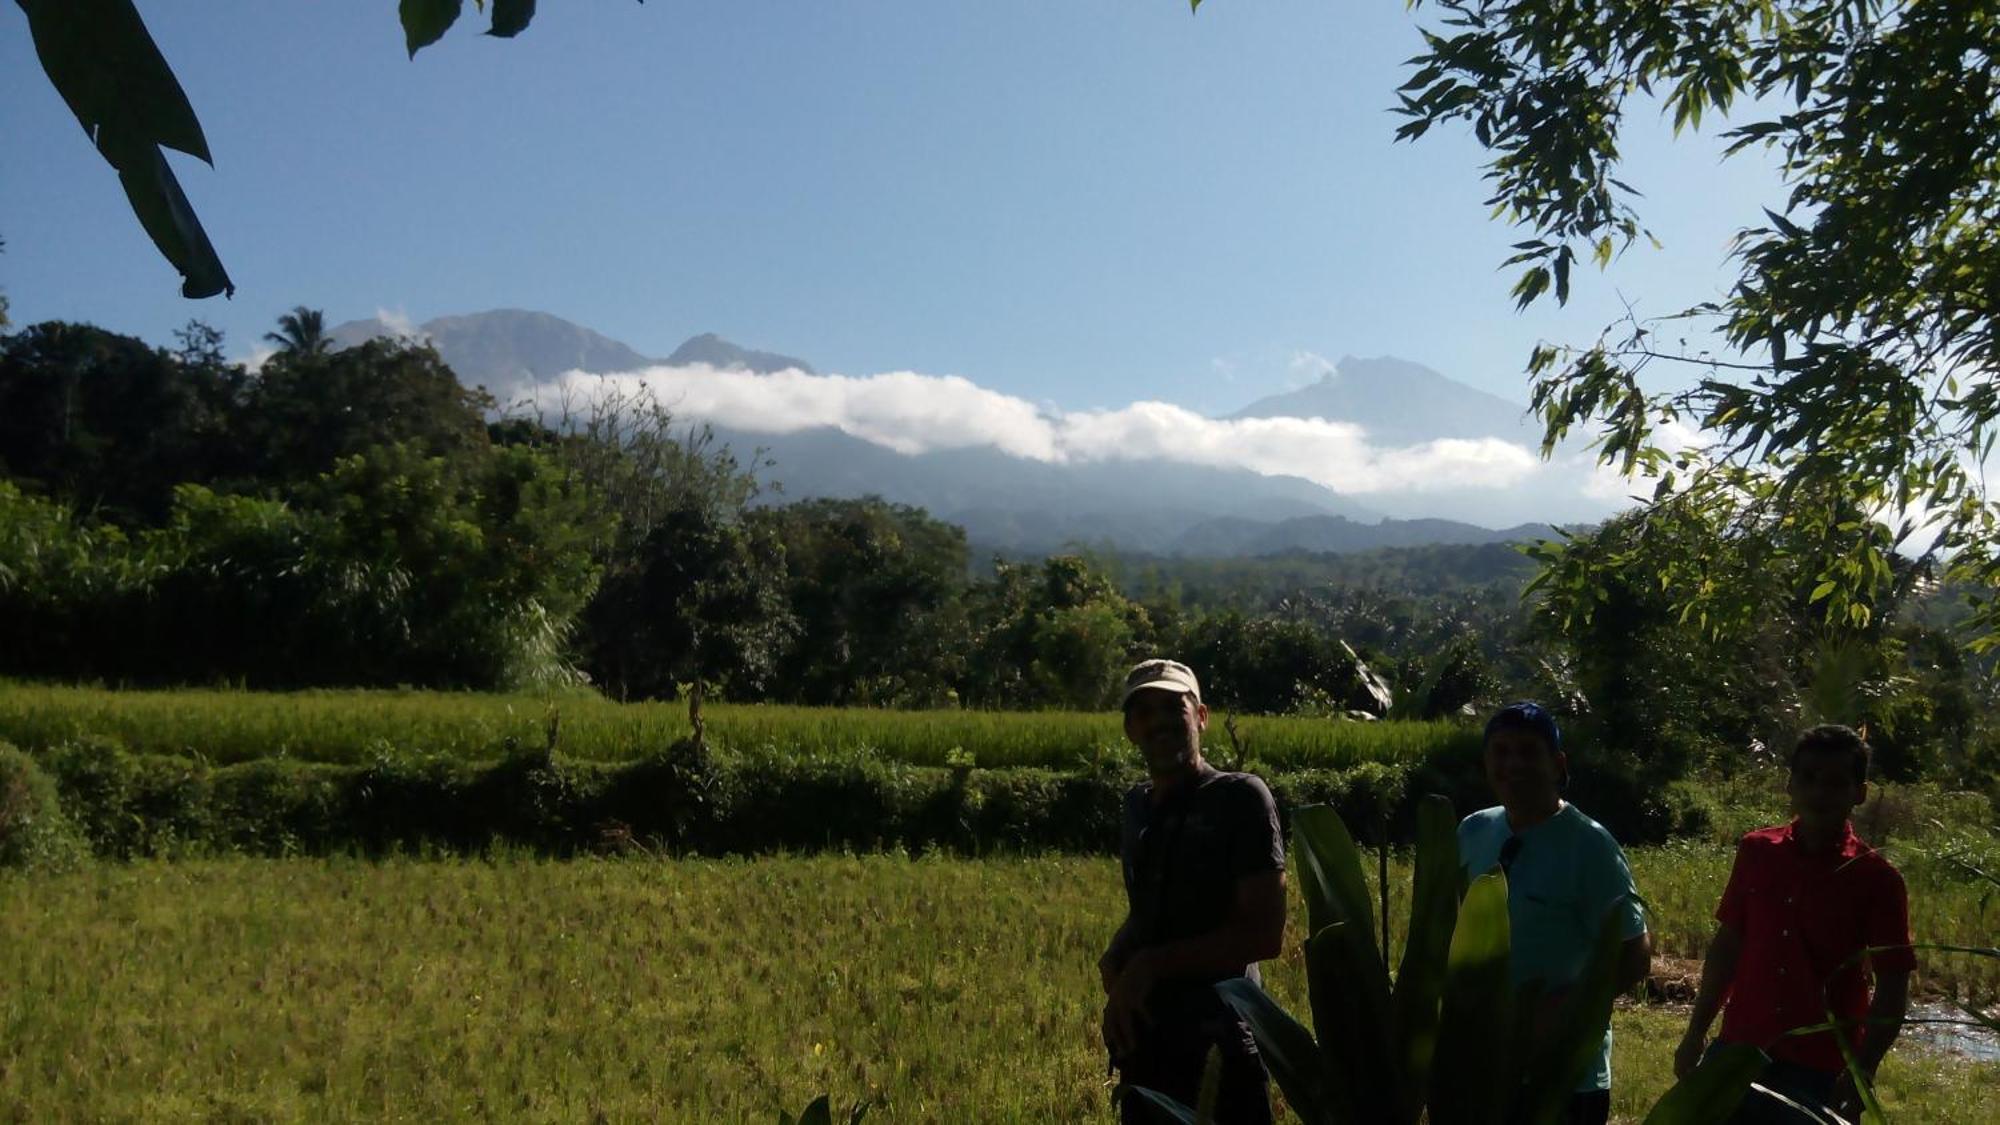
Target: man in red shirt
{"type": "Point", "coordinates": [1803, 902]}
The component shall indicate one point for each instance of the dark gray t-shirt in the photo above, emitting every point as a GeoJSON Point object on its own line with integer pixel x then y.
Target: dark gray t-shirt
{"type": "Point", "coordinates": [1183, 857]}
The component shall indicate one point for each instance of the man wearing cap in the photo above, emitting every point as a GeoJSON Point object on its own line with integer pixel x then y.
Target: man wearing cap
{"type": "Point", "coordinates": [1565, 876]}
{"type": "Point", "coordinates": [1204, 868]}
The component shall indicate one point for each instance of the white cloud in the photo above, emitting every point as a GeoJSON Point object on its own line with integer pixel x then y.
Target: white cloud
{"type": "Point", "coordinates": [399, 324]}
{"type": "Point", "coordinates": [1307, 368]}
{"type": "Point", "coordinates": [915, 413]}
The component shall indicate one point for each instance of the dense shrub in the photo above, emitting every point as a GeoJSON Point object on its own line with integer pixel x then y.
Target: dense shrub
{"type": "Point", "coordinates": [683, 799]}
{"type": "Point", "coordinates": [34, 833]}
{"type": "Point", "coordinates": [686, 798]}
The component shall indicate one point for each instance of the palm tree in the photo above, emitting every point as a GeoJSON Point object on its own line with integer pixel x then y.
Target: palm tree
{"type": "Point", "coordinates": [301, 332]}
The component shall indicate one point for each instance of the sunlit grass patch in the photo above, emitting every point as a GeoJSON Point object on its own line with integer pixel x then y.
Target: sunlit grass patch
{"type": "Point", "coordinates": [527, 989]}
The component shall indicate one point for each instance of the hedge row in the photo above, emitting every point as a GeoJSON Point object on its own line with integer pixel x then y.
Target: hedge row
{"type": "Point", "coordinates": [680, 801]}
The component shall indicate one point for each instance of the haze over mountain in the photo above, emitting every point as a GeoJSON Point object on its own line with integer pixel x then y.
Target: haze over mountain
{"type": "Point", "coordinates": [1372, 437]}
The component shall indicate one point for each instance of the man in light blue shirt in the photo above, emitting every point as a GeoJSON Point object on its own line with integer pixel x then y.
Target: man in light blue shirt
{"type": "Point", "coordinates": [1564, 873]}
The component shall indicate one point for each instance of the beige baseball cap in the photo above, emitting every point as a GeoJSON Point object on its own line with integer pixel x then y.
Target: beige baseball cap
{"type": "Point", "coordinates": [1167, 675]}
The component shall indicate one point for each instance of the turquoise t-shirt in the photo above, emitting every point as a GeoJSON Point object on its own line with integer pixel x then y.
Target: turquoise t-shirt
{"type": "Point", "coordinates": [1567, 872]}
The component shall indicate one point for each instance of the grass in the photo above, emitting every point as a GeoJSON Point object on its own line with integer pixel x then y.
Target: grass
{"type": "Point", "coordinates": [358, 726]}
{"type": "Point", "coordinates": [522, 989]}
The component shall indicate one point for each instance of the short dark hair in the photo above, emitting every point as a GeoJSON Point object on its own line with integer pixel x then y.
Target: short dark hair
{"type": "Point", "coordinates": [1832, 738]}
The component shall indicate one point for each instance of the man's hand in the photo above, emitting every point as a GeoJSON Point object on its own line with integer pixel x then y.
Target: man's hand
{"type": "Point", "coordinates": [1687, 1056]}
{"type": "Point", "coordinates": [1125, 1010]}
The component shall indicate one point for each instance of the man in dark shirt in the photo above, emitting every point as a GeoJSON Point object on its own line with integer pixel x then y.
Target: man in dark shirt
{"type": "Point", "coordinates": [1205, 901]}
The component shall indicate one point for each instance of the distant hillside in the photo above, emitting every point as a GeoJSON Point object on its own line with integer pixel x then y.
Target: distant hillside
{"type": "Point", "coordinates": [1255, 584]}
{"type": "Point", "coordinates": [1232, 536]}
{"type": "Point", "coordinates": [1021, 506]}
{"type": "Point", "coordinates": [507, 347]}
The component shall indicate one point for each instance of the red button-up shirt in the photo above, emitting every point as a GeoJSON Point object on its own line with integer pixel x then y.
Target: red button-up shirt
{"type": "Point", "coordinates": [1804, 917]}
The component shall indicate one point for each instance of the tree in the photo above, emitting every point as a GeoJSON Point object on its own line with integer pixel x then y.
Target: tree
{"type": "Point", "coordinates": [877, 589]}
{"type": "Point", "coordinates": [102, 60]}
{"type": "Point", "coordinates": [699, 600]}
{"type": "Point", "coordinates": [1860, 335]}
{"type": "Point", "coordinates": [113, 424]}
{"type": "Point", "coordinates": [301, 332]}
{"type": "Point", "coordinates": [306, 409]}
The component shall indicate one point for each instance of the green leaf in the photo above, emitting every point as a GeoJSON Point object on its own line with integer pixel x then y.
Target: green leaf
{"type": "Point", "coordinates": [1472, 1071]}
{"type": "Point", "coordinates": [1165, 1103]}
{"type": "Point", "coordinates": [1712, 1091]}
{"type": "Point", "coordinates": [1330, 872]}
{"type": "Point", "coordinates": [169, 219]}
{"type": "Point", "coordinates": [1346, 975]}
{"type": "Point", "coordinates": [820, 1112]}
{"type": "Point", "coordinates": [101, 59]}
{"type": "Point", "coordinates": [511, 17]}
{"type": "Point", "coordinates": [1294, 1060]}
{"type": "Point", "coordinates": [426, 21]}
{"type": "Point", "coordinates": [1420, 979]}
{"type": "Point", "coordinates": [1820, 591]}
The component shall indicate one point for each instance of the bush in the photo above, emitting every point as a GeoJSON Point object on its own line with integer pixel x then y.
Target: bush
{"type": "Point", "coordinates": [687, 799]}
{"type": "Point", "coordinates": [34, 833]}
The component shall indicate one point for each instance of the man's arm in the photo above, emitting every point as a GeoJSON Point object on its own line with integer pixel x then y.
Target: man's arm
{"type": "Point", "coordinates": [1885, 1022]}
{"type": "Point", "coordinates": [1254, 931]}
{"type": "Point", "coordinates": [1115, 955]}
{"type": "Point", "coordinates": [1885, 1018]}
{"type": "Point", "coordinates": [1635, 961]}
{"type": "Point", "coordinates": [1718, 971]}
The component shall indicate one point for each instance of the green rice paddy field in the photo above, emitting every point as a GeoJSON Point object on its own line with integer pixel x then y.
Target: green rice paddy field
{"type": "Point", "coordinates": [518, 988]}
{"type": "Point", "coordinates": [357, 726]}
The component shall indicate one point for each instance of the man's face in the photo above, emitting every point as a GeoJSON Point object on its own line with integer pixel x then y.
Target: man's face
{"type": "Point", "coordinates": [1822, 787]}
{"type": "Point", "coordinates": [1166, 726]}
{"type": "Point", "coordinates": [1523, 769]}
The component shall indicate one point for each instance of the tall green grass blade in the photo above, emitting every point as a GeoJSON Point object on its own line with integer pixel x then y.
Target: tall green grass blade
{"type": "Point", "coordinates": [1472, 1075]}
{"type": "Point", "coordinates": [1289, 1052]}
{"type": "Point", "coordinates": [1712, 1092]}
{"type": "Point", "coordinates": [1419, 983]}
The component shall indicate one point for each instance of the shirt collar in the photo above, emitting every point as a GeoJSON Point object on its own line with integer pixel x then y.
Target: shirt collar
{"type": "Point", "coordinates": [1850, 845]}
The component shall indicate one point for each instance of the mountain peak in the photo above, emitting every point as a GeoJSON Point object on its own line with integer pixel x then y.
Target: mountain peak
{"type": "Point", "coordinates": [711, 349]}
{"type": "Point", "coordinates": [1397, 402]}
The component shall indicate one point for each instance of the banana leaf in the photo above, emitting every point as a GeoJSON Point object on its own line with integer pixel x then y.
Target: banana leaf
{"type": "Point", "coordinates": [1296, 1063]}
{"type": "Point", "coordinates": [1712, 1091]}
{"type": "Point", "coordinates": [1419, 985]}
{"type": "Point", "coordinates": [1348, 980]}
{"type": "Point", "coordinates": [1169, 1105]}
{"type": "Point", "coordinates": [1348, 1045]}
{"type": "Point", "coordinates": [1472, 1076]}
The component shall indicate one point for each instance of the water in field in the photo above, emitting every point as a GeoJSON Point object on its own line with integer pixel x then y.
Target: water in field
{"type": "Point", "coordinates": [1958, 1038]}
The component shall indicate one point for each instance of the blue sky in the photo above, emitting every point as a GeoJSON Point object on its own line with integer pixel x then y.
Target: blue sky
{"type": "Point", "coordinates": [1078, 203]}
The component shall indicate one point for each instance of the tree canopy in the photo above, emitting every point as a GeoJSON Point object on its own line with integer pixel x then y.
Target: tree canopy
{"type": "Point", "coordinates": [1856, 383]}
